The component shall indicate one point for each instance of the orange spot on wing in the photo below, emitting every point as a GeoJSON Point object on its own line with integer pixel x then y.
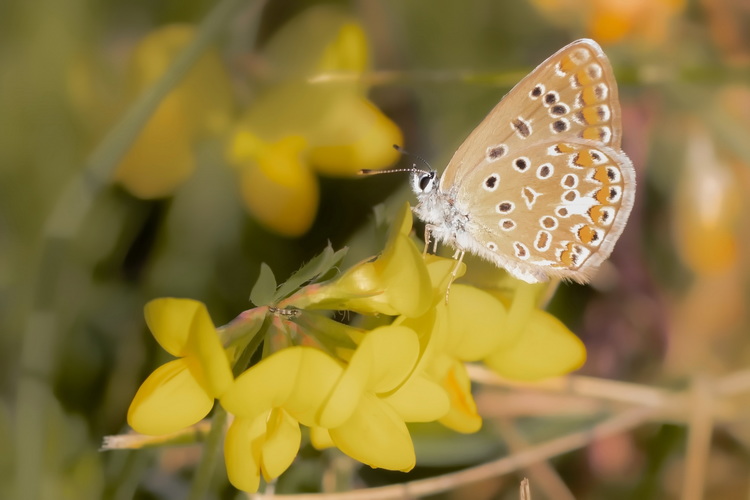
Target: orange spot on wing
{"type": "Point", "coordinates": [586, 234]}
{"type": "Point", "coordinates": [601, 175]}
{"type": "Point", "coordinates": [584, 78]}
{"type": "Point", "coordinates": [591, 115]}
{"type": "Point", "coordinates": [592, 133]}
{"type": "Point", "coordinates": [567, 65]}
{"type": "Point", "coordinates": [589, 95]}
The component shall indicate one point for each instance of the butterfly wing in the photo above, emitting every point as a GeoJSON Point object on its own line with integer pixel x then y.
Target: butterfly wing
{"type": "Point", "coordinates": [573, 94]}
{"type": "Point", "coordinates": [559, 217]}
{"type": "Point", "coordinates": [547, 189]}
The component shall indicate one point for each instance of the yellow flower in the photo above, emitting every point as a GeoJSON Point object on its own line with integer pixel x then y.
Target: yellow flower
{"type": "Point", "coordinates": [336, 130]}
{"type": "Point", "coordinates": [366, 412]}
{"type": "Point", "coordinates": [519, 341]}
{"type": "Point", "coordinates": [268, 402]}
{"type": "Point", "coordinates": [465, 328]}
{"type": "Point", "coordinates": [161, 157]}
{"type": "Point", "coordinates": [356, 407]}
{"type": "Point", "coordinates": [265, 444]}
{"type": "Point", "coordinates": [396, 283]}
{"type": "Point", "coordinates": [180, 392]}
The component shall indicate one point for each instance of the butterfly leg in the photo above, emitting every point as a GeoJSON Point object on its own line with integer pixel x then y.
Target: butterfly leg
{"type": "Point", "coordinates": [459, 257]}
{"type": "Point", "coordinates": [428, 228]}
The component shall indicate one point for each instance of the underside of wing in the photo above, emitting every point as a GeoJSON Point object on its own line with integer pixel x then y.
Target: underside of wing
{"type": "Point", "coordinates": [558, 212]}
{"type": "Point", "coordinates": [570, 96]}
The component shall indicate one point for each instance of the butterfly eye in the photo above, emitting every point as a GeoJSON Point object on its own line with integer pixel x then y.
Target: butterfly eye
{"type": "Point", "coordinates": [425, 181]}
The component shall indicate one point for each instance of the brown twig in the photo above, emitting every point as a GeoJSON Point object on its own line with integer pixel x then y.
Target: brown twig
{"type": "Point", "coordinates": [700, 428]}
{"type": "Point", "coordinates": [544, 475]}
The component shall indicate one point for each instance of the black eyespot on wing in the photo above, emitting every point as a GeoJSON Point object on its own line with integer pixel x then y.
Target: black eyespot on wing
{"type": "Point", "coordinates": [558, 110]}
{"type": "Point", "coordinates": [522, 127]}
{"type": "Point", "coordinates": [497, 152]}
{"type": "Point", "coordinates": [560, 126]}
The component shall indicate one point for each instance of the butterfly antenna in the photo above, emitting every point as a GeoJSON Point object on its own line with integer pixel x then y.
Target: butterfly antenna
{"type": "Point", "coordinates": [406, 153]}
{"type": "Point", "coordinates": [368, 171]}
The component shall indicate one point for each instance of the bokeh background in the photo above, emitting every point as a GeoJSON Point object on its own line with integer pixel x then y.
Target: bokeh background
{"type": "Point", "coordinates": [92, 226]}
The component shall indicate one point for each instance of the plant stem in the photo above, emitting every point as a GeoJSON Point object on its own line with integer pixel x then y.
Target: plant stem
{"type": "Point", "coordinates": [202, 480]}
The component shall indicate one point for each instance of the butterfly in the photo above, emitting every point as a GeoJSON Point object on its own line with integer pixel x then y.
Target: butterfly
{"type": "Point", "coordinates": [541, 187]}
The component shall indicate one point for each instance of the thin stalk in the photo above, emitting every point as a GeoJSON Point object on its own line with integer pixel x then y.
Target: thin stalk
{"type": "Point", "coordinates": [211, 449]}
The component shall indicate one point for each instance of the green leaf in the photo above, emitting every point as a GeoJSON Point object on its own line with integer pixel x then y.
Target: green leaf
{"type": "Point", "coordinates": [264, 289]}
{"type": "Point", "coordinates": [318, 267]}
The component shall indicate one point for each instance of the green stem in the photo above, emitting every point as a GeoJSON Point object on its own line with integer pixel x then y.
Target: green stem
{"type": "Point", "coordinates": [41, 335]}
{"type": "Point", "coordinates": [211, 449]}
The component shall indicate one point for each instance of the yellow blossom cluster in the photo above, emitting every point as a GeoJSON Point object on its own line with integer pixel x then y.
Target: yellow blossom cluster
{"type": "Point", "coordinates": [309, 115]}
{"type": "Point", "coordinates": [354, 389]}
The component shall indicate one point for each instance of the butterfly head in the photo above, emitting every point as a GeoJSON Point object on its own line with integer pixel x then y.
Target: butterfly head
{"type": "Point", "coordinates": [422, 181]}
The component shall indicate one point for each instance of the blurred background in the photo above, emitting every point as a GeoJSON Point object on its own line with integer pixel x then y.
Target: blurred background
{"type": "Point", "coordinates": [245, 161]}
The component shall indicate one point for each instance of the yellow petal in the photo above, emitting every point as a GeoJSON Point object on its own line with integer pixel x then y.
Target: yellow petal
{"type": "Point", "coordinates": [320, 438]}
{"type": "Point", "coordinates": [419, 400]}
{"type": "Point", "coordinates": [355, 136]}
{"type": "Point", "coordinates": [298, 379]}
{"type": "Point", "coordinates": [546, 348]}
{"type": "Point", "coordinates": [184, 328]}
{"type": "Point", "coordinates": [520, 311]}
{"type": "Point", "coordinates": [347, 52]}
{"type": "Point", "coordinates": [204, 94]}
{"type": "Point", "coordinates": [399, 277]}
{"type": "Point", "coordinates": [278, 188]}
{"type": "Point", "coordinates": [205, 346]}
{"type": "Point", "coordinates": [395, 283]}
{"type": "Point", "coordinates": [432, 329]}
{"type": "Point", "coordinates": [375, 435]}
{"type": "Point", "coordinates": [161, 158]}
{"type": "Point", "coordinates": [383, 360]}
{"type": "Point", "coordinates": [462, 416]}
{"type": "Point", "coordinates": [243, 446]}
{"type": "Point", "coordinates": [476, 323]}
{"type": "Point", "coordinates": [170, 321]}
{"type": "Point", "coordinates": [405, 274]}
{"type": "Point", "coordinates": [299, 46]}
{"type": "Point", "coordinates": [440, 270]}
{"type": "Point", "coordinates": [282, 444]}
{"type": "Point", "coordinates": [388, 355]}
{"type": "Point", "coordinates": [170, 399]}
{"type": "Point", "coordinates": [316, 377]}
